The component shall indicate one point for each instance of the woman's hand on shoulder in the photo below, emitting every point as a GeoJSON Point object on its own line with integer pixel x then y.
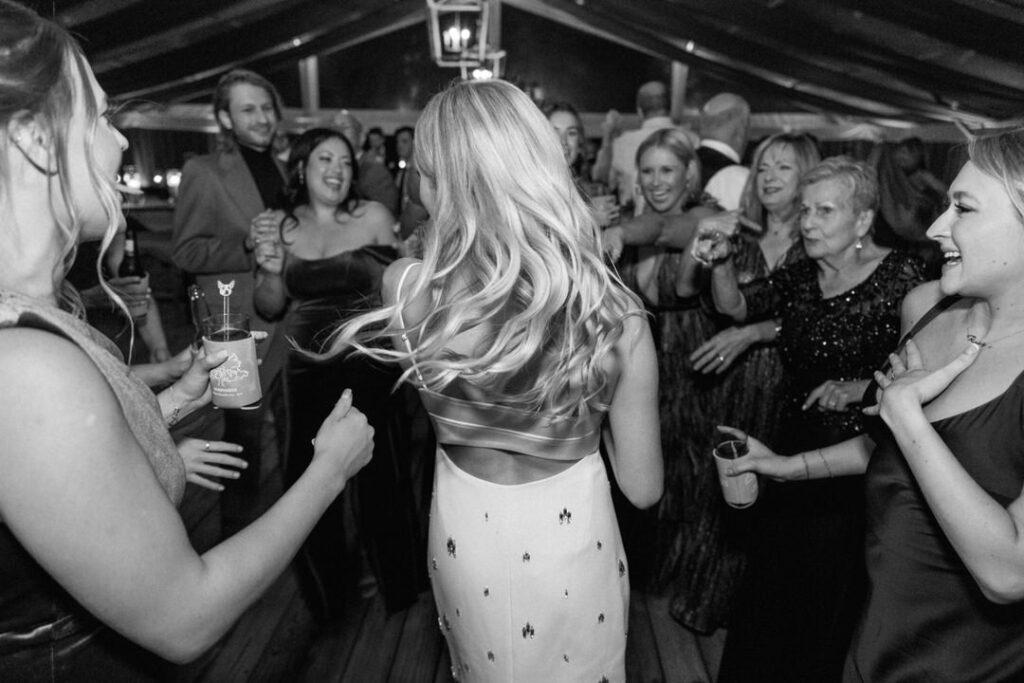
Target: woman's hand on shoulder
{"type": "Point", "coordinates": [910, 385]}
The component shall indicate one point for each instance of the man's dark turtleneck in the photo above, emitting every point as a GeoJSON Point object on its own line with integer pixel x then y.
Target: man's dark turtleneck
{"type": "Point", "coordinates": [266, 173]}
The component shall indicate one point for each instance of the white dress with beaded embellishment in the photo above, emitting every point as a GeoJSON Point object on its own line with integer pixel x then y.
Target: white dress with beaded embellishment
{"type": "Point", "coordinates": [530, 580]}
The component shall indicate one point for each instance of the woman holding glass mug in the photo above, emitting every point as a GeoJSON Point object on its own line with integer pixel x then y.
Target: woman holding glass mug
{"type": "Point", "coordinates": [92, 549]}
{"type": "Point", "coordinates": [943, 466]}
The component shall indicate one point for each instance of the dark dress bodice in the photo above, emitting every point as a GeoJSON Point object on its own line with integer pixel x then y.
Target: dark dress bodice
{"type": "Point", "coordinates": [328, 290]}
{"type": "Point", "coordinates": [323, 293]}
{"type": "Point", "coordinates": [844, 337]}
{"type": "Point", "coordinates": [926, 619]}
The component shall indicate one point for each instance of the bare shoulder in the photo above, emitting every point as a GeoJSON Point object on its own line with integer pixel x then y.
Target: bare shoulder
{"type": "Point", "coordinates": [393, 277]}
{"type": "Point", "coordinates": [919, 301]}
{"type": "Point", "coordinates": [50, 387]}
{"type": "Point", "coordinates": [377, 220]}
{"type": "Point", "coordinates": [369, 210]}
{"type": "Point", "coordinates": [34, 361]}
{"type": "Point", "coordinates": [636, 332]}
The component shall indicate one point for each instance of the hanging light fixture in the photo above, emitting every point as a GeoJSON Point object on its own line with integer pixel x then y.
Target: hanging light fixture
{"type": "Point", "coordinates": [458, 32]}
{"type": "Point", "coordinates": [458, 38]}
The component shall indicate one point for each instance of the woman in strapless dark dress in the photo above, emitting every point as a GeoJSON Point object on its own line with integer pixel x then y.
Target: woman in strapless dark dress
{"type": "Point", "coordinates": [945, 464]}
{"type": "Point", "coordinates": [321, 261]}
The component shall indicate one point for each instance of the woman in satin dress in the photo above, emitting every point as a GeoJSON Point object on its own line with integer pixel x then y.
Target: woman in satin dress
{"type": "Point", "coordinates": [321, 261]}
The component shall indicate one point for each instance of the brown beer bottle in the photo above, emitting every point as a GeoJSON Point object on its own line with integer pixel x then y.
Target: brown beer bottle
{"type": "Point", "coordinates": [131, 264]}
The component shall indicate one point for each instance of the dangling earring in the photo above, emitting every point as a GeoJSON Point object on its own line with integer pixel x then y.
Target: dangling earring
{"type": "Point", "coordinates": [859, 245]}
{"type": "Point", "coordinates": [302, 176]}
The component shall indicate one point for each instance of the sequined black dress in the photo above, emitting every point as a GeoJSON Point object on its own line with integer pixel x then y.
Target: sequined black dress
{"type": "Point", "coordinates": [323, 292]}
{"type": "Point", "coordinates": [798, 601]}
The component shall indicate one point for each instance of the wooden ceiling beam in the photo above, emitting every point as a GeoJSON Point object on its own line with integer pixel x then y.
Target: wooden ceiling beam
{"type": "Point", "coordinates": [320, 38]}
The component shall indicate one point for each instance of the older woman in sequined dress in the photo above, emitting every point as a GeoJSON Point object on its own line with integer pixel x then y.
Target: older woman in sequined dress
{"type": "Point", "coordinates": [839, 312]}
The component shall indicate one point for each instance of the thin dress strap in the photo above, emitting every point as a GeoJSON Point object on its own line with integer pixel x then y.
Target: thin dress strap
{"type": "Point", "coordinates": [401, 321]}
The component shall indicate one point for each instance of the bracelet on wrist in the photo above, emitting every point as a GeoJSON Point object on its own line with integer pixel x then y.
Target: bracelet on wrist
{"type": "Point", "coordinates": [807, 470]}
{"type": "Point", "coordinates": [825, 463]}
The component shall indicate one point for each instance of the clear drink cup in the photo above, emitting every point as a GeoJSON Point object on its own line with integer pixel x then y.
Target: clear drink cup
{"type": "Point", "coordinates": [741, 490]}
{"type": "Point", "coordinates": [235, 383]}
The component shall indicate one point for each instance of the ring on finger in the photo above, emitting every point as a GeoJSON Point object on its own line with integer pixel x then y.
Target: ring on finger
{"type": "Point", "coordinates": [206, 446]}
{"type": "Point", "coordinates": [721, 358]}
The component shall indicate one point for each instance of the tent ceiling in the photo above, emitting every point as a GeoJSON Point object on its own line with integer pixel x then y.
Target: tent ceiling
{"type": "Point", "coordinates": [943, 60]}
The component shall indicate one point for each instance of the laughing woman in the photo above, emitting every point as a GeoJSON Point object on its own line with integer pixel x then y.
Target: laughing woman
{"type": "Point", "coordinates": [944, 504]}
{"type": "Point", "coordinates": [322, 263]}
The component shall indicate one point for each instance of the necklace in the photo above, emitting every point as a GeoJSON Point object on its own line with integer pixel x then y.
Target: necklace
{"type": "Point", "coordinates": [972, 338]}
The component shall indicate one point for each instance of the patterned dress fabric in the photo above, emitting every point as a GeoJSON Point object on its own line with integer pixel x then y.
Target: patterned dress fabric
{"type": "Point", "coordinates": [797, 604]}
{"type": "Point", "coordinates": [530, 580]}
{"type": "Point", "coordinates": [700, 537]}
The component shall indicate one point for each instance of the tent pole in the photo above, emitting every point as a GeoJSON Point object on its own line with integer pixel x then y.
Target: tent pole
{"type": "Point", "coordinates": [680, 72]}
{"type": "Point", "coordinates": [309, 83]}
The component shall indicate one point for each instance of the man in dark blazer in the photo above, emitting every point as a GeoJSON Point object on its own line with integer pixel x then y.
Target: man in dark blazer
{"type": "Point", "coordinates": [218, 198]}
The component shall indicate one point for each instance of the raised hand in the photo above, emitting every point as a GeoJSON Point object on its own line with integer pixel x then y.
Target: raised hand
{"type": "Point", "coordinates": [910, 385]}
{"type": "Point", "coordinates": [344, 441]}
{"type": "Point", "coordinates": [270, 256]}
{"type": "Point", "coordinates": [711, 239]}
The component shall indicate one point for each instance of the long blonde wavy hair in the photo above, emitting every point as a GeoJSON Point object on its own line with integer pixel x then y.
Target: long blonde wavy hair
{"type": "Point", "coordinates": [514, 250]}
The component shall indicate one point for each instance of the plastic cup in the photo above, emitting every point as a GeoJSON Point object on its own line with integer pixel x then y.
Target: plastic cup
{"type": "Point", "coordinates": [235, 383]}
{"type": "Point", "coordinates": [739, 491]}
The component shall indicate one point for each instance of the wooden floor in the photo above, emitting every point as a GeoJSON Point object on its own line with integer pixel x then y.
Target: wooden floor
{"type": "Point", "coordinates": [278, 640]}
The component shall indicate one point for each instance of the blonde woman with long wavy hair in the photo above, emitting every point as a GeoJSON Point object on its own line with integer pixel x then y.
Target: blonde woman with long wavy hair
{"type": "Point", "coordinates": [524, 348]}
{"type": "Point", "coordinates": [93, 552]}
